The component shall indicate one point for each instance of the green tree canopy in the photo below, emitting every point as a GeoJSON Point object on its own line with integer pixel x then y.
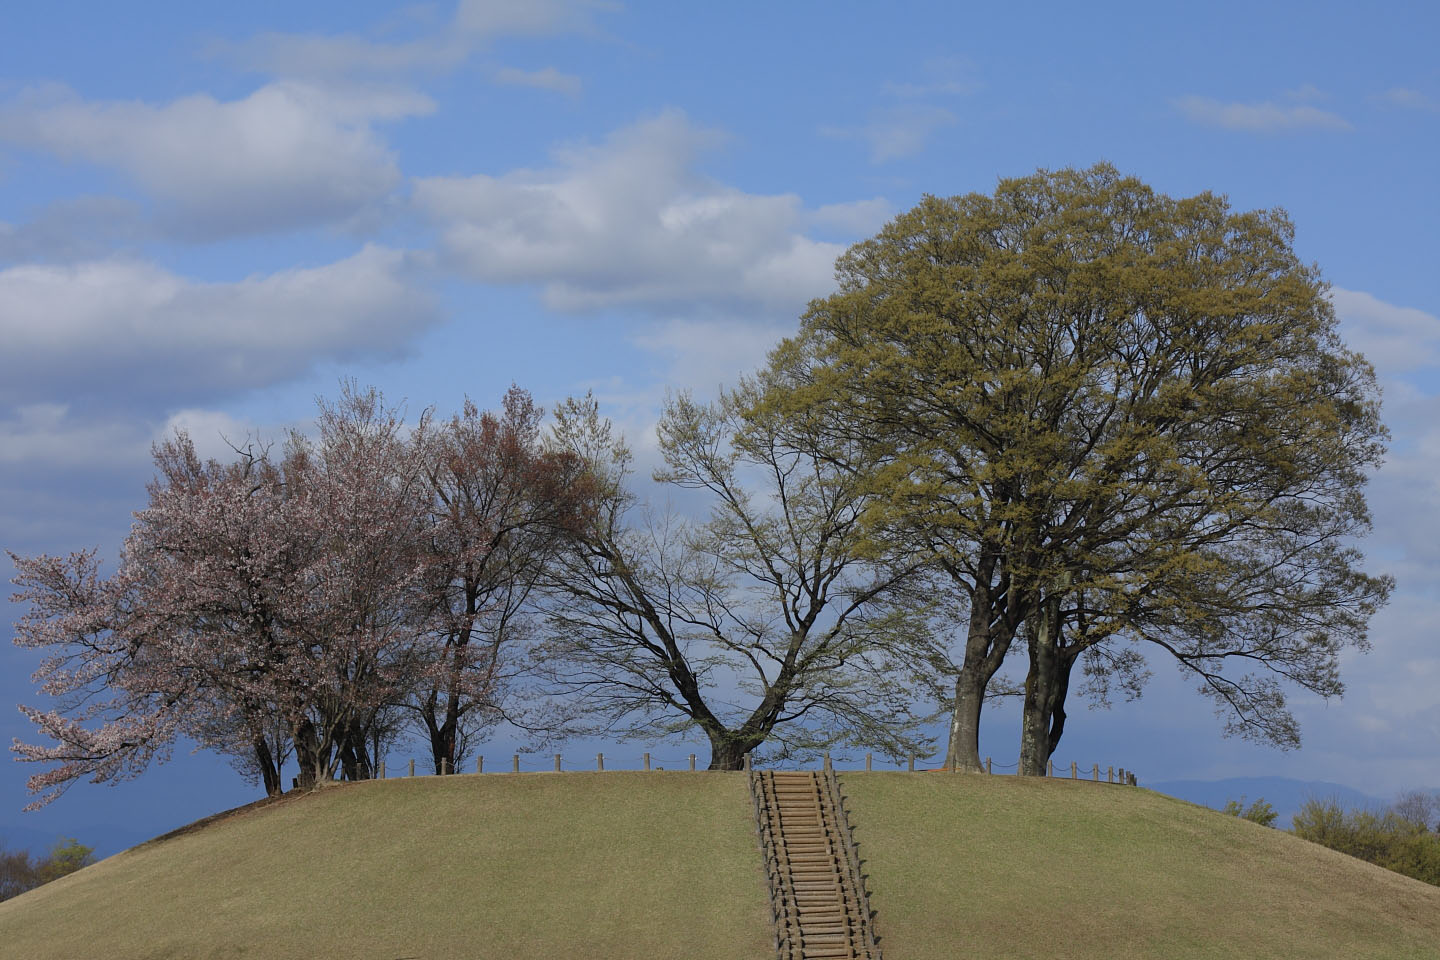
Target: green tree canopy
{"type": "Point", "coordinates": [1106, 409]}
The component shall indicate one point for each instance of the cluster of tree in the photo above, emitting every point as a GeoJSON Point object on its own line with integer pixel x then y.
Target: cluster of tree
{"type": "Point", "coordinates": [21, 871]}
{"type": "Point", "coordinates": [1258, 812]}
{"type": "Point", "coordinates": [313, 602]}
{"type": "Point", "coordinates": [1076, 413]}
{"type": "Point", "coordinates": [1404, 838]}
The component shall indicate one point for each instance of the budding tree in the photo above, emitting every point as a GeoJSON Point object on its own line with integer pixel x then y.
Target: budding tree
{"type": "Point", "coordinates": [1078, 391]}
{"type": "Point", "coordinates": [497, 506]}
{"type": "Point", "coordinates": [767, 625]}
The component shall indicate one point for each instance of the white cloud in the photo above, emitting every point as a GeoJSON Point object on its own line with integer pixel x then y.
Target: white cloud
{"type": "Point", "coordinates": [1409, 99]}
{"type": "Point", "coordinates": [124, 332]}
{"type": "Point", "coordinates": [288, 155]}
{"type": "Point", "coordinates": [705, 354]}
{"type": "Point", "coordinates": [215, 433]}
{"type": "Point", "coordinates": [475, 23]}
{"type": "Point", "coordinates": [546, 79]}
{"type": "Point", "coordinates": [858, 218]}
{"type": "Point", "coordinates": [1266, 117]}
{"type": "Point", "coordinates": [630, 221]}
{"type": "Point", "coordinates": [1395, 339]}
{"type": "Point", "coordinates": [896, 132]}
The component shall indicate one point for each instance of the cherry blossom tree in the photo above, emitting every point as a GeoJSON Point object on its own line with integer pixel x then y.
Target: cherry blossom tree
{"type": "Point", "coordinates": [249, 595]}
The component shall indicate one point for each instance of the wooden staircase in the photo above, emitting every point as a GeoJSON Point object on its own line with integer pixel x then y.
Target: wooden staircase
{"type": "Point", "coordinates": [817, 896]}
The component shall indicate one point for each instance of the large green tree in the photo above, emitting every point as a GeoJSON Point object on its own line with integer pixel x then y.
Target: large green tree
{"type": "Point", "coordinates": [1102, 407]}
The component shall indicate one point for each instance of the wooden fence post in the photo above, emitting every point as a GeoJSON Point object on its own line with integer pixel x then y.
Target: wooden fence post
{"type": "Point", "coordinates": [867, 763]}
{"type": "Point", "coordinates": [479, 764]}
{"type": "Point", "coordinates": [1074, 772]}
{"type": "Point", "coordinates": [557, 763]}
{"type": "Point", "coordinates": [747, 763]}
{"type": "Point", "coordinates": [911, 767]}
{"type": "Point", "coordinates": [987, 765]}
{"type": "Point", "coordinates": [412, 768]}
{"type": "Point", "coordinates": [1133, 781]}
{"type": "Point", "coordinates": [1052, 768]}
{"type": "Point", "coordinates": [647, 761]}
{"type": "Point", "coordinates": [1096, 773]}
{"type": "Point", "coordinates": [1122, 774]}
{"type": "Point", "coordinates": [1110, 774]}
{"type": "Point", "coordinates": [827, 760]}
{"type": "Point", "coordinates": [599, 761]}
{"type": "Point", "coordinates": [380, 770]}
{"type": "Point", "coordinates": [953, 761]}
{"type": "Point", "coordinates": [444, 766]}
{"type": "Point", "coordinates": [515, 763]}
{"type": "Point", "coordinates": [692, 762]}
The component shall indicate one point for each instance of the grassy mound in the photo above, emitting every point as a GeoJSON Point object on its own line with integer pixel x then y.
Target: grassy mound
{"type": "Point", "coordinates": [1007, 867]}
{"type": "Point", "coordinates": [603, 865]}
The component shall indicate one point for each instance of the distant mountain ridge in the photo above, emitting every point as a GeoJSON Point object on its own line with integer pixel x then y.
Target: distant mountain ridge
{"type": "Point", "coordinates": [1285, 795]}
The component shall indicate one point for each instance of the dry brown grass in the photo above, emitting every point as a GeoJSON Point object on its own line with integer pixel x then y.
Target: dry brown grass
{"type": "Point", "coordinates": [1006, 867]}
{"type": "Point", "coordinates": [603, 865]}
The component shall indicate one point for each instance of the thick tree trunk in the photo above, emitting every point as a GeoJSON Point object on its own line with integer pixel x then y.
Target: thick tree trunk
{"type": "Point", "coordinates": [312, 756]}
{"type": "Point", "coordinates": [727, 750]}
{"type": "Point", "coordinates": [354, 760]}
{"type": "Point", "coordinates": [987, 643]}
{"type": "Point", "coordinates": [1039, 704]}
{"type": "Point", "coordinates": [963, 752]}
{"type": "Point", "coordinates": [443, 738]}
{"type": "Point", "coordinates": [995, 612]}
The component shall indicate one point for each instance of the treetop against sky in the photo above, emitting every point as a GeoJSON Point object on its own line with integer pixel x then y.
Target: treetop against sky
{"type": "Point", "coordinates": [208, 218]}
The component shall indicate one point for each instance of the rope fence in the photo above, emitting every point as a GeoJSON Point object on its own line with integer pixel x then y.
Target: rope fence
{"type": "Point", "coordinates": [558, 763]}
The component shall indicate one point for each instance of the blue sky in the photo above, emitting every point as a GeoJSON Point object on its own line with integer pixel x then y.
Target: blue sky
{"type": "Point", "coordinates": [208, 215]}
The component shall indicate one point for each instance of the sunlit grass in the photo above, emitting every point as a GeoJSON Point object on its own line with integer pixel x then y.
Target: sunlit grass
{"type": "Point", "coordinates": [605, 865]}
{"type": "Point", "coordinates": [665, 865]}
{"type": "Point", "coordinates": [1007, 867]}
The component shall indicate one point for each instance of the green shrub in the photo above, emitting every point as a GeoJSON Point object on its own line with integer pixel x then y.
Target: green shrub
{"type": "Point", "coordinates": [1393, 839]}
{"type": "Point", "coordinates": [1258, 812]}
{"type": "Point", "coordinates": [20, 872]}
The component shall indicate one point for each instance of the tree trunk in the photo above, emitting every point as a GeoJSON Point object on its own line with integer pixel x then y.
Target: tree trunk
{"type": "Point", "coordinates": [269, 772]}
{"type": "Point", "coordinates": [1040, 684]}
{"type": "Point", "coordinates": [312, 756]}
{"type": "Point", "coordinates": [963, 752]}
{"type": "Point", "coordinates": [727, 751]}
{"type": "Point", "coordinates": [987, 643]}
{"type": "Point", "coordinates": [1062, 687]}
{"type": "Point", "coordinates": [306, 753]}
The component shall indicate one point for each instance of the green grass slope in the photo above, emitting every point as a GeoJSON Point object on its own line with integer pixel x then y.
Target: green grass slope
{"type": "Point", "coordinates": [512, 866]}
{"type": "Point", "coordinates": [1007, 867]}
{"type": "Point", "coordinates": [604, 866]}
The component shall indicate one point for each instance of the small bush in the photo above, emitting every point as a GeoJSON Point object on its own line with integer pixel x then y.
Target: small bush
{"type": "Point", "coordinates": [1258, 812]}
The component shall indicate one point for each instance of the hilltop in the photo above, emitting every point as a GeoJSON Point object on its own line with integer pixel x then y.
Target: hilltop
{"type": "Point", "coordinates": [661, 865]}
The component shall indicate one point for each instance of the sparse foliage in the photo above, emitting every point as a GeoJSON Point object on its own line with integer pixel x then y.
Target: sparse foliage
{"type": "Point", "coordinates": [654, 624]}
{"type": "Point", "coordinates": [498, 505]}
